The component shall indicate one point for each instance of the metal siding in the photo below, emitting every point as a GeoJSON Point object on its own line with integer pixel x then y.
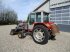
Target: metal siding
{"type": "Point", "coordinates": [58, 3]}
{"type": "Point", "coordinates": [60, 15]}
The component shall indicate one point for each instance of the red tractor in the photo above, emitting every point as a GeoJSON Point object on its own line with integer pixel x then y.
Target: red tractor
{"type": "Point", "coordinates": [39, 27]}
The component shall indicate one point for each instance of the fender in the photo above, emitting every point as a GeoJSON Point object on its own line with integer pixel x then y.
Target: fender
{"type": "Point", "coordinates": [50, 25]}
{"type": "Point", "coordinates": [46, 24]}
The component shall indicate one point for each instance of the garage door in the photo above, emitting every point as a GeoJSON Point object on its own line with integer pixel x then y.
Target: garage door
{"type": "Point", "coordinates": [60, 15]}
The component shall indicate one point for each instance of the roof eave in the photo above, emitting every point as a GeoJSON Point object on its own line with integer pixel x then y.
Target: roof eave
{"type": "Point", "coordinates": [41, 5]}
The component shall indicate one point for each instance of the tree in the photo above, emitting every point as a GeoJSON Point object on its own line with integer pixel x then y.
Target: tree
{"type": "Point", "coordinates": [8, 17]}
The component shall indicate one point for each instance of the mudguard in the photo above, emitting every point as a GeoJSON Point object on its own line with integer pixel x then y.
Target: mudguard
{"type": "Point", "coordinates": [55, 29]}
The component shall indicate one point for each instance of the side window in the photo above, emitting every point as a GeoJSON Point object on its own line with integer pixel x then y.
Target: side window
{"type": "Point", "coordinates": [32, 19]}
{"type": "Point", "coordinates": [46, 17]}
{"type": "Point", "coordinates": [38, 17]}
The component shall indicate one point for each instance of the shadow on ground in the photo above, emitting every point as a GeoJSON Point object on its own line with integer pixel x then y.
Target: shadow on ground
{"type": "Point", "coordinates": [64, 28]}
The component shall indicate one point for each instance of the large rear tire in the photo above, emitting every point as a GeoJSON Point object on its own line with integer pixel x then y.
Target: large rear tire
{"type": "Point", "coordinates": [40, 34]}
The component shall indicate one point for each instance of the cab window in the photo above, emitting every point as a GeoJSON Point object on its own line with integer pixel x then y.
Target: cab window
{"type": "Point", "coordinates": [38, 17]}
{"type": "Point", "coordinates": [32, 19]}
{"type": "Point", "coordinates": [45, 17]}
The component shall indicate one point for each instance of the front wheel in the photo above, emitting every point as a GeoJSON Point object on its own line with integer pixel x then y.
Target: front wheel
{"type": "Point", "coordinates": [21, 35]}
{"type": "Point", "coordinates": [40, 34]}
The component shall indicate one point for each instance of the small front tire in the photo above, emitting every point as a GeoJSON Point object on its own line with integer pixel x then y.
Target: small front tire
{"type": "Point", "coordinates": [21, 35]}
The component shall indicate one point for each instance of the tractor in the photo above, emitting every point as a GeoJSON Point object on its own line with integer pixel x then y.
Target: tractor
{"type": "Point", "coordinates": [38, 26]}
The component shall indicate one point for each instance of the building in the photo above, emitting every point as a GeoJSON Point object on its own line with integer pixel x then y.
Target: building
{"type": "Point", "coordinates": [59, 12]}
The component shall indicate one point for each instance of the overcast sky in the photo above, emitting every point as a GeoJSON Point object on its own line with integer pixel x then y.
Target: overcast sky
{"type": "Point", "coordinates": [22, 7]}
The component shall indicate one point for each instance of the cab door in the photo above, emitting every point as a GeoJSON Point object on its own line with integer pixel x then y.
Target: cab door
{"type": "Point", "coordinates": [31, 21]}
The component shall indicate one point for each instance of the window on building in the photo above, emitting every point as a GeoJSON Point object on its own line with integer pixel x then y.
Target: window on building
{"type": "Point", "coordinates": [58, 22]}
{"type": "Point", "coordinates": [58, 18]}
{"type": "Point", "coordinates": [58, 11]}
{"type": "Point", "coordinates": [65, 7]}
{"type": "Point", "coordinates": [69, 22]}
{"type": "Point", "coordinates": [65, 18]}
{"type": "Point", "coordinates": [58, 15]}
{"type": "Point", "coordinates": [64, 22]}
{"type": "Point", "coordinates": [58, 8]}
{"type": "Point", "coordinates": [65, 11]}
{"type": "Point", "coordinates": [52, 18]}
{"type": "Point", "coordinates": [52, 9]}
{"type": "Point", "coordinates": [65, 14]}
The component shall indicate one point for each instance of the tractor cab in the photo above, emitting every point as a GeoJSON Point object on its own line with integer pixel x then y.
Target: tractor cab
{"type": "Point", "coordinates": [42, 17]}
{"type": "Point", "coordinates": [38, 17]}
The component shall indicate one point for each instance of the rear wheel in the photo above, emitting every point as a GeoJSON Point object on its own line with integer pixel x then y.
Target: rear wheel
{"type": "Point", "coordinates": [40, 34]}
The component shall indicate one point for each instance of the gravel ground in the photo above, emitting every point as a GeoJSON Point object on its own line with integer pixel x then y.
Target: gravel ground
{"type": "Point", "coordinates": [10, 43]}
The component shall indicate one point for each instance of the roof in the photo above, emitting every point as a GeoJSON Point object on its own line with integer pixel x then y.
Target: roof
{"type": "Point", "coordinates": [41, 5]}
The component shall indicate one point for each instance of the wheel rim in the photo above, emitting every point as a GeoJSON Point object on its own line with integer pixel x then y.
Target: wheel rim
{"type": "Point", "coordinates": [38, 35]}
